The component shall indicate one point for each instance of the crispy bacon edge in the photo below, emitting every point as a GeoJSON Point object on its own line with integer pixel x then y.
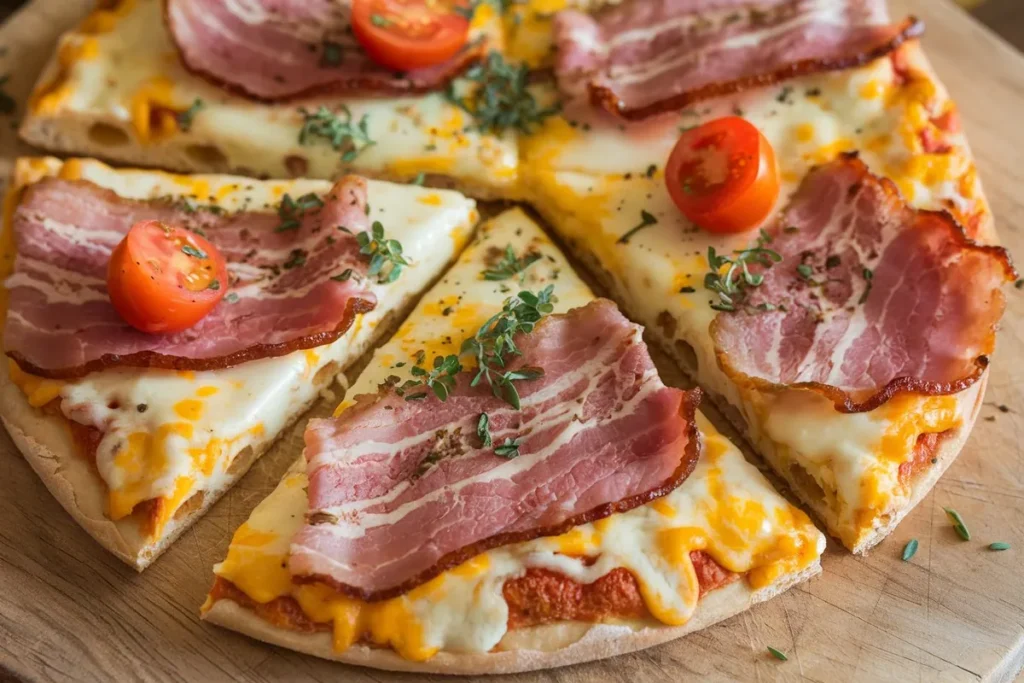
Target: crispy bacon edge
{"type": "Point", "coordinates": [841, 400]}
{"type": "Point", "coordinates": [605, 97]}
{"type": "Point", "coordinates": [688, 411]}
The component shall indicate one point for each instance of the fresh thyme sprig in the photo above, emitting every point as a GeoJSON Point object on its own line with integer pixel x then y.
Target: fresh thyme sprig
{"type": "Point", "coordinates": [500, 98]}
{"type": "Point", "coordinates": [337, 129]}
{"type": "Point", "coordinates": [184, 119]}
{"type": "Point", "coordinates": [291, 210]}
{"type": "Point", "coordinates": [440, 380]}
{"type": "Point", "coordinates": [386, 260]}
{"type": "Point", "coordinates": [511, 265]}
{"type": "Point", "coordinates": [494, 342]}
{"type": "Point", "coordinates": [737, 278]}
{"type": "Point", "coordinates": [509, 449]}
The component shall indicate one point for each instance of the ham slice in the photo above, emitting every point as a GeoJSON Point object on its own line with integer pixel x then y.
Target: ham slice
{"type": "Point", "coordinates": [646, 57]}
{"type": "Point", "coordinates": [273, 50]}
{"type": "Point", "coordinates": [400, 491]}
{"type": "Point", "coordinates": [871, 298]}
{"type": "Point", "coordinates": [60, 322]}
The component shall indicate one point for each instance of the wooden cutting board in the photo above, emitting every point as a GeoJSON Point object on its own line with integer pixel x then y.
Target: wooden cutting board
{"type": "Point", "coordinates": [70, 611]}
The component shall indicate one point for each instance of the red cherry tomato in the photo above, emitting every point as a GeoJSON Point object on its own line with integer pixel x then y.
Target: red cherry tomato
{"type": "Point", "coordinates": [722, 175]}
{"type": "Point", "coordinates": [410, 34]}
{"type": "Point", "coordinates": [165, 279]}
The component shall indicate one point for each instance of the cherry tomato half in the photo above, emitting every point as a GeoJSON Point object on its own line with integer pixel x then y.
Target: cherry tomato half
{"type": "Point", "coordinates": [410, 34]}
{"type": "Point", "coordinates": [165, 279]}
{"type": "Point", "coordinates": [722, 175]}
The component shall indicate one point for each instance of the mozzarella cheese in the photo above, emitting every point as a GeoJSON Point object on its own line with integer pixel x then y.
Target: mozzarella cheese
{"type": "Point", "coordinates": [575, 176]}
{"type": "Point", "coordinates": [725, 507]}
{"type": "Point", "coordinates": [169, 435]}
{"type": "Point", "coordinates": [121, 75]}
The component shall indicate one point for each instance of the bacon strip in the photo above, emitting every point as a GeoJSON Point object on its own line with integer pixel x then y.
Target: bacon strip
{"type": "Point", "coordinates": [61, 324]}
{"type": "Point", "coordinates": [872, 298]}
{"type": "Point", "coordinates": [272, 50]}
{"type": "Point", "coordinates": [646, 57]}
{"type": "Point", "coordinates": [401, 491]}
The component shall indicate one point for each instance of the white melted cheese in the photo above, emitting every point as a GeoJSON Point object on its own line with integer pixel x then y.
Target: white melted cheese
{"type": "Point", "coordinates": [170, 434]}
{"type": "Point", "coordinates": [577, 182]}
{"type": "Point", "coordinates": [725, 507]}
{"type": "Point", "coordinates": [120, 67]}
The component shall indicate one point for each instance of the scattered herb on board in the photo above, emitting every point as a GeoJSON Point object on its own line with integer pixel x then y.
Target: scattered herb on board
{"type": "Point", "coordinates": [494, 342]}
{"type": "Point", "coordinates": [958, 523]}
{"type": "Point", "coordinates": [291, 210]}
{"type": "Point", "coordinates": [483, 429]}
{"type": "Point", "coordinates": [509, 449]}
{"type": "Point", "coordinates": [999, 545]}
{"type": "Point", "coordinates": [647, 219]}
{"type": "Point", "coordinates": [511, 265]}
{"type": "Point", "coordinates": [909, 549]}
{"type": "Point", "coordinates": [499, 98]}
{"type": "Point", "coordinates": [331, 54]}
{"type": "Point", "coordinates": [337, 128]}
{"type": "Point", "coordinates": [386, 260]}
{"type": "Point", "coordinates": [737, 277]}
{"type": "Point", "coordinates": [7, 103]}
{"type": "Point", "coordinates": [778, 654]}
{"type": "Point", "coordinates": [185, 118]}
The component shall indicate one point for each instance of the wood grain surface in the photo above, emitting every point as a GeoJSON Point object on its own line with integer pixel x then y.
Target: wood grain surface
{"type": "Point", "coordinates": [955, 612]}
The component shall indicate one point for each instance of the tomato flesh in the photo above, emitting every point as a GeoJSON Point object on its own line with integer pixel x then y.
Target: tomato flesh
{"type": "Point", "coordinates": [165, 279]}
{"type": "Point", "coordinates": [722, 175]}
{"type": "Point", "coordinates": [410, 34]}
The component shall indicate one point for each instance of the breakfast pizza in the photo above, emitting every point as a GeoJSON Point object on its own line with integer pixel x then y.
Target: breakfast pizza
{"type": "Point", "coordinates": [778, 191]}
{"type": "Point", "coordinates": [554, 503]}
{"type": "Point", "coordinates": [162, 331]}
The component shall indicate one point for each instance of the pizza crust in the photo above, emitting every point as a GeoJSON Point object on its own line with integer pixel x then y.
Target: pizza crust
{"type": "Point", "coordinates": [578, 642]}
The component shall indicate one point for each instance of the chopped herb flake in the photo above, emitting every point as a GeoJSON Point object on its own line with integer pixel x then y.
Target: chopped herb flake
{"type": "Point", "coordinates": [646, 220]}
{"type": "Point", "coordinates": [193, 251]}
{"type": "Point", "coordinates": [909, 549]}
{"type": "Point", "coordinates": [509, 449]}
{"type": "Point", "coordinates": [999, 545]}
{"type": "Point", "coordinates": [331, 54]}
{"type": "Point", "coordinates": [292, 211]}
{"type": "Point", "coordinates": [511, 265]}
{"type": "Point", "coordinates": [296, 259]}
{"type": "Point", "coordinates": [778, 654]}
{"type": "Point", "coordinates": [483, 430]}
{"type": "Point", "coordinates": [500, 98]}
{"type": "Point", "coordinates": [958, 523]}
{"type": "Point", "coordinates": [337, 129]}
{"type": "Point", "coordinates": [185, 118]}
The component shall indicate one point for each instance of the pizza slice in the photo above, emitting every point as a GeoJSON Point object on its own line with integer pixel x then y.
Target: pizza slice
{"type": "Point", "coordinates": [848, 337]}
{"type": "Point", "coordinates": [225, 87]}
{"type": "Point", "coordinates": [137, 434]}
{"type": "Point", "coordinates": [563, 506]}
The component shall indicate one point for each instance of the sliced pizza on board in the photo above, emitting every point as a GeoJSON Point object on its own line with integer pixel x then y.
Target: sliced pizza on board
{"type": "Point", "coordinates": [839, 298]}
{"type": "Point", "coordinates": [138, 433]}
{"type": "Point", "coordinates": [509, 486]}
{"type": "Point", "coordinates": [227, 87]}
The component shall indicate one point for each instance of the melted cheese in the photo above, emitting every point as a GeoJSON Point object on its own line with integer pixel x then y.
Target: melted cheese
{"type": "Point", "coordinates": [172, 434]}
{"type": "Point", "coordinates": [725, 508]}
{"type": "Point", "coordinates": [132, 70]}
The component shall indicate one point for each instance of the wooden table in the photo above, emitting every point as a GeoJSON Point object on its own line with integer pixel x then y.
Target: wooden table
{"type": "Point", "coordinates": [70, 611]}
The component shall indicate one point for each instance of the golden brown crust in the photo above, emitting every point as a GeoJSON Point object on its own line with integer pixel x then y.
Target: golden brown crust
{"type": "Point", "coordinates": [606, 98]}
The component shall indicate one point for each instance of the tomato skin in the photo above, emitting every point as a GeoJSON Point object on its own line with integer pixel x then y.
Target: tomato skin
{"type": "Point", "coordinates": [722, 175]}
{"type": "Point", "coordinates": [410, 34]}
{"type": "Point", "coordinates": [156, 286]}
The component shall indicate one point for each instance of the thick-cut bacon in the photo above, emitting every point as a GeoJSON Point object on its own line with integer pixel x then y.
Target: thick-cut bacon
{"type": "Point", "coordinates": [402, 490]}
{"type": "Point", "coordinates": [275, 50]}
{"type": "Point", "coordinates": [60, 322]}
{"type": "Point", "coordinates": [646, 57]}
{"type": "Point", "coordinates": [872, 297]}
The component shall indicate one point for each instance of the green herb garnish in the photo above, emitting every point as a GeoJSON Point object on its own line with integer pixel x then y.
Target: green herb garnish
{"type": "Point", "coordinates": [483, 429]}
{"type": "Point", "coordinates": [999, 545]}
{"type": "Point", "coordinates": [337, 129]}
{"type": "Point", "coordinates": [440, 380]}
{"type": "Point", "coordinates": [500, 98]}
{"type": "Point", "coordinates": [909, 549]}
{"type": "Point", "coordinates": [231, 298]}
{"type": "Point", "coordinates": [291, 210]}
{"type": "Point", "coordinates": [646, 219]}
{"type": "Point", "coordinates": [331, 54]}
{"type": "Point", "coordinates": [494, 342]}
{"type": "Point", "coordinates": [193, 251]}
{"type": "Point", "coordinates": [381, 21]}
{"type": "Point", "coordinates": [386, 260]}
{"type": "Point", "coordinates": [184, 119]}
{"type": "Point", "coordinates": [345, 275]}
{"type": "Point", "coordinates": [296, 259]}
{"type": "Point", "coordinates": [737, 277]}
{"type": "Point", "coordinates": [805, 271]}
{"type": "Point", "coordinates": [511, 265]}
{"type": "Point", "coordinates": [958, 523]}
{"type": "Point", "coordinates": [509, 449]}
{"type": "Point", "coordinates": [420, 177]}
{"type": "Point", "coordinates": [214, 284]}
{"type": "Point", "coordinates": [778, 654]}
